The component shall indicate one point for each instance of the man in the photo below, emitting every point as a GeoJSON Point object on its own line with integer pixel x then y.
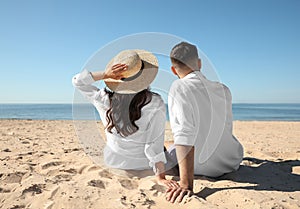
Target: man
{"type": "Point", "coordinates": [201, 121]}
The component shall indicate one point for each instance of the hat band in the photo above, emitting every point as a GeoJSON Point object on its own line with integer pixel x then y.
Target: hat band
{"type": "Point", "coordinates": [136, 75]}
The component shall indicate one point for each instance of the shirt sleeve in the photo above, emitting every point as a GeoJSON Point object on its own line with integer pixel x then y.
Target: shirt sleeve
{"type": "Point", "coordinates": [181, 117]}
{"type": "Point", "coordinates": [154, 148]}
{"type": "Point", "coordinates": [83, 82]}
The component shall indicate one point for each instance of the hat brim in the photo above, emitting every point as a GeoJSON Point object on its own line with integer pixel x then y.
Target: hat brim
{"type": "Point", "coordinates": [140, 82]}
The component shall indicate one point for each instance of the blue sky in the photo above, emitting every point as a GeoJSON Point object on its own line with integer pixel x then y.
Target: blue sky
{"type": "Point", "coordinates": [254, 45]}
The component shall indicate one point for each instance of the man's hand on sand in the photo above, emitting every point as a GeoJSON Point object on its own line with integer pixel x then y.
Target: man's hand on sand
{"type": "Point", "coordinates": [177, 194]}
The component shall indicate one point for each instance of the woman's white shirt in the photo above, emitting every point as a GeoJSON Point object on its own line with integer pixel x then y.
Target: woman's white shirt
{"type": "Point", "coordinates": [138, 151]}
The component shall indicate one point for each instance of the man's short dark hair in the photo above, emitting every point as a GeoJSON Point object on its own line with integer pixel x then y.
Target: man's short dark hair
{"type": "Point", "coordinates": [183, 53]}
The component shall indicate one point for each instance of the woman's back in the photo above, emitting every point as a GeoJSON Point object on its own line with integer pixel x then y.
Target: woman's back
{"type": "Point", "coordinates": [132, 151]}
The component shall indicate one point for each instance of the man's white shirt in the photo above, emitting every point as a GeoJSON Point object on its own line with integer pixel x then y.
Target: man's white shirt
{"type": "Point", "coordinates": [201, 115]}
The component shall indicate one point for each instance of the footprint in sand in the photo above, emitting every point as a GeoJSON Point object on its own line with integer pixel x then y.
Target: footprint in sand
{"type": "Point", "coordinates": [128, 184]}
{"type": "Point", "coordinates": [62, 177]}
{"type": "Point", "coordinates": [72, 150]}
{"type": "Point", "coordinates": [88, 168]}
{"type": "Point", "coordinates": [17, 207]}
{"type": "Point", "coordinates": [158, 189]}
{"type": "Point", "coordinates": [12, 177]}
{"type": "Point", "coordinates": [34, 189]}
{"type": "Point", "coordinates": [2, 190]}
{"type": "Point", "coordinates": [6, 150]}
{"type": "Point", "coordinates": [82, 168]}
{"type": "Point", "coordinates": [139, 200]}
{"type": "Point", "coordinates": [105, 174]}
{"type": "Point", "coordinates": [51, 164]}
{"type": "Point", "coordinates": [97, 183]}
{"type": "Point", "coordinates": [93, 168]}
{"type": "Point", "coordinates": [70, 170]}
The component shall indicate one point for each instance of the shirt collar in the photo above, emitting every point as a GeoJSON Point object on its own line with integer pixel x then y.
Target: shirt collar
{"type": "Point", "coordinates": [192, 74]}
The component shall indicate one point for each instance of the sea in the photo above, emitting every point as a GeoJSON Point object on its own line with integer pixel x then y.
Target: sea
{"type": "Point", "coordinates": [242, 112]}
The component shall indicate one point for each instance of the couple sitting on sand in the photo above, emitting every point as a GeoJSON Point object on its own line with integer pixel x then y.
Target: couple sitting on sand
{"type": "Point", "coordinates": [134, 118]}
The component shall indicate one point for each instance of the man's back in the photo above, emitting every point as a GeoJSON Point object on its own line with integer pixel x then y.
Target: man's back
{"type": "Point", "coordinates": [201, 115]}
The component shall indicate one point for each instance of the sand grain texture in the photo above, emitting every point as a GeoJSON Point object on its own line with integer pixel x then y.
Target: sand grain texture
{"type": "Point", "coordinates": [43, 165]}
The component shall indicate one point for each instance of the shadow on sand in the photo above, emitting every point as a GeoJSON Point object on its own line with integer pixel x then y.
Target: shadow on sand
{"type": "Point", "coordinates": [265, 174]}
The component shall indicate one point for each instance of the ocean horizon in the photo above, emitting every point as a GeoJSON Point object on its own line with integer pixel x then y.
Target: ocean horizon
{"type": "Point", "coordinates": [241, 111]}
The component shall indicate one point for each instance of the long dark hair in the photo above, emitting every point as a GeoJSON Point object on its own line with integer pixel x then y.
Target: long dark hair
{"type": "Point", "coordinates": [125, 109]}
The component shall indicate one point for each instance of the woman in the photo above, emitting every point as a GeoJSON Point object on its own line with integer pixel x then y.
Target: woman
{"type": "Point", "coordinates": [133, 116]}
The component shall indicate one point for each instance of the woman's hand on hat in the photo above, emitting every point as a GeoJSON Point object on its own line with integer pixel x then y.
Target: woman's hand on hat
{"type": "Point", "coordinates": [116, 71]}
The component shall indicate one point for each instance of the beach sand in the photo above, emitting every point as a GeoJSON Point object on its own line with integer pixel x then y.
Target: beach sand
{"type": "Point", "coordinates": [43, 165]}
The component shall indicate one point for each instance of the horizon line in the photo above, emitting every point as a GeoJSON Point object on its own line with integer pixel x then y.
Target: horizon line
{"type": "Point", "coordinates": [33, 103]}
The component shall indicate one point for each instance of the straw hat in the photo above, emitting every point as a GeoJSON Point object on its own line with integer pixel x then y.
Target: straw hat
{"type": "Point", "coordinates": [142, 69]}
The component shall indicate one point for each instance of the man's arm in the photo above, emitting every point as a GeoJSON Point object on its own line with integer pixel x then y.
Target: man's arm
{"type": "Point", "coordinates": [184, 129]}
{"type": "Point", "coordinates": [185, 157]}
